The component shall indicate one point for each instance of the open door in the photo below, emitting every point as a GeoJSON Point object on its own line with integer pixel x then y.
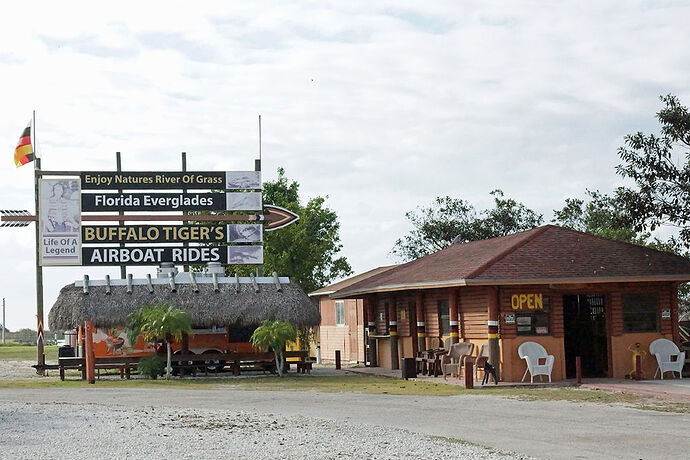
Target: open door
{"type": "Point", "coordinates": [584, 321]}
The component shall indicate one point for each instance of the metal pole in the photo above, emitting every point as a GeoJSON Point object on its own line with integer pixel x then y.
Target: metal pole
{"type": "Point", "coordinates": [118, 164]}
{"type": "Point", "coordinates": [257, 167]}
{"type": "Point", "coordinates": [185, 268]}
{"type": "Point", "coordinates": [40, 355]}
{"type": "Point", "coordinates": [3, 321]}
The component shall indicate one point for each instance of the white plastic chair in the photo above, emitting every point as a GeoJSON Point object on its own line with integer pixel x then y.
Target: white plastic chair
{"type": "Point", "coordinates": [664, 350]}
{"type": "Point", "coordinates": [532, 352]}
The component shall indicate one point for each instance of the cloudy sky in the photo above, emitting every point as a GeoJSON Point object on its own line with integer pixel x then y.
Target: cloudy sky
{"type": "Point", "coordinates": [380, 105]}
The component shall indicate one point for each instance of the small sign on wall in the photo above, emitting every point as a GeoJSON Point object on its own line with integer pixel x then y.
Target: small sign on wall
{"type": "Point", "coordinates": [666, 313]}
{"type": "Point", "coordinates": [509, 318]}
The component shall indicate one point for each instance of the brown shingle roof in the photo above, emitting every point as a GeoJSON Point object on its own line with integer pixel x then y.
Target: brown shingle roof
{"type": "Point", "coordinates": [349, 281]}
{"type": "Point", "coordinates": [547, 254]}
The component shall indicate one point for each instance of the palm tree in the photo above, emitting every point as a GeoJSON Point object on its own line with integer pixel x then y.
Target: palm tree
{"type": "Point", "coordinates": [159, 322]}
{"type": "Point", "coordinates": [274, 335]}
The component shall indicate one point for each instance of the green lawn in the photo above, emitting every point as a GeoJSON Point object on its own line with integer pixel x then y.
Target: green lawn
{"type": "Point", "coordinates": [358, 383]}
{"type": "Point", "coordinates": [25, 353]}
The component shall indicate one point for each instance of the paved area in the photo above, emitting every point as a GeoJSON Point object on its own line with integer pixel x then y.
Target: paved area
{"type": "Point", "coordinates": [543, 429]}
{"type": "Point", "coordinates": [675, 389]}
{"type": "Point", "coordinates": [669, 389]}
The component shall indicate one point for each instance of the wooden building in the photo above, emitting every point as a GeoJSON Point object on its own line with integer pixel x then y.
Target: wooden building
{"type": "Point", "coordinates": [342, 321]}
{"type": "Point", "coordinates": [574, 293]}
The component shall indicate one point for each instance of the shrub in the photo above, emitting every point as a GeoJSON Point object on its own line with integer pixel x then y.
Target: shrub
{"type": "Point", "coordinates": [151, 366]}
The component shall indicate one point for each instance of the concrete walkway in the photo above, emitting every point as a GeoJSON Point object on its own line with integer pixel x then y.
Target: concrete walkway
{"type": "Point", "coordinates": [670, 389]}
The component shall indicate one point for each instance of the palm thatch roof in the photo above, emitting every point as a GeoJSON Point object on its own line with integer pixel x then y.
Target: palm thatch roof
{"type": "Point", "coordinates": [229, 304]}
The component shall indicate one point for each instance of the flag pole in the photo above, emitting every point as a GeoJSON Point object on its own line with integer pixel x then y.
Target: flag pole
{"type": "Point", "coordinates": [40, 354]}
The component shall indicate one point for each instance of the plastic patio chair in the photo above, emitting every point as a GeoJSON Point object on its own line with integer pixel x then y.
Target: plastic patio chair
{"type": "Point", "coordinates": [532, 353]}
{"type": "Point", "coordinates": [454, 361]}
{"type": "Point", "coordinates": [664, 350]}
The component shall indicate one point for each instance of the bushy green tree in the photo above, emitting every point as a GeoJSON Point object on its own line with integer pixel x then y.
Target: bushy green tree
{"type": "Point", "coordinates": [447, 219]}
{"type": "Point", "coordinates": [659, 166]}
{"type": "Point", "coordinates": [308, 250]}
{"type": "Point", "coordinates": [274, 335]}
{"type": "Point", "coordinates": [159, 322]}
{"type": "Point", "coordinates": [601, 215]}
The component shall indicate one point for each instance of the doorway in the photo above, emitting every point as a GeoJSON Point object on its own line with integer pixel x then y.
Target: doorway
{"type": "Point", "coordinates": [584, 321]}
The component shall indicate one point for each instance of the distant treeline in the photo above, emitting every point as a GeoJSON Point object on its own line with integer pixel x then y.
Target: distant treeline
{"type": "Point", "coordinates": [28, 336]}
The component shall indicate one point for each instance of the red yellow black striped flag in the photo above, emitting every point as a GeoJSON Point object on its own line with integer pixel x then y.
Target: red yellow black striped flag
{"type": "Point", "coordinates": [24, 152]}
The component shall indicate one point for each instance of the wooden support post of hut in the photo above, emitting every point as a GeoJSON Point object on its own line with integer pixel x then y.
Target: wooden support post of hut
{"type": "Point", "coordinates": [90, 358]}
{"type": "Point", "coordinates": [494, 347]}
{"type": "Point", "coordinates": [453, 314]}
{"type": "Point", "coordinates": [368, 304]}
{"type": "Point", "coordinates": [393, 331]}
{"type": "Point", "coordinates": [421, 325]}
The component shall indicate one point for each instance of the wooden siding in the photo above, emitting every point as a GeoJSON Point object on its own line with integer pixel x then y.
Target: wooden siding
{"type": "Point", "coordinates": [327, 310]}
{"type": "Point", "coordinates": [382, 316]}
{"type": "Point", "coordinates": [404, 315]}
{"type": "Point", "coordinates": [473, 313]}
{"type": "Point", "coordinates": [431, 318]}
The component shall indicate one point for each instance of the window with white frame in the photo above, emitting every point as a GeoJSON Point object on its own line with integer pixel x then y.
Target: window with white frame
{"type": "Point", "coordinates": [339, 312]}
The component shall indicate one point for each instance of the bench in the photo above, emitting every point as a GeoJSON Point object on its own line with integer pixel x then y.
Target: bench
{"type": "Point", "coordinates": [304, 364]}
{"type": "Point", "coordinates": [124, 363]}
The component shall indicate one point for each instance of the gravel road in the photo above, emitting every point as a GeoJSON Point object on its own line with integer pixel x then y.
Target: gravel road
{"type": "Point", "coordinates": [207, 423]}
{"type": "Point", "coordinates": [85, 431]}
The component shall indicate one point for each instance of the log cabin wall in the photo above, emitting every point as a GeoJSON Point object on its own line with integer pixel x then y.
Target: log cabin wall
{"type": "Point", "coordinates": [431, 313]}
{"type": "Point", "coordinates": [473, 314]}
{"type": "Point", "coordinates": [404, 314]}
{"type": "Point", "coordinates": [618, 341]}
{"type": "Point", "coordinates": [381, 315]}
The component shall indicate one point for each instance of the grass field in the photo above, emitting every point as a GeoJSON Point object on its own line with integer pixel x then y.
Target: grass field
{"type": "Point", "coordinates": [357, 383]}
{"type": "Point", "coordinates": [25, 353]}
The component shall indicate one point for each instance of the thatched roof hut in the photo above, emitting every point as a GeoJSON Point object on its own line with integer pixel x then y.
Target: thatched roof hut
{"type": "Point", "coordinates": [224, 303]}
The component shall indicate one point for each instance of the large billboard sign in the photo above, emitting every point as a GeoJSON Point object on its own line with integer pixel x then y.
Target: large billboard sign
{"type": "Point", "coordinates": [154, 255]}
{"type": "Point", "coordinates": [171, 180]}
{"type": "Point", "coordinates": [60, 224]}
{"type": "Point", "coordinates": [211, 237]}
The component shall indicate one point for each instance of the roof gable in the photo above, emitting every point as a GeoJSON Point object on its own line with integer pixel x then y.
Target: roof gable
{"type": "Point", "coordinates": [548, 253]}
{"type": "Point", "coordinates": [349, 281]}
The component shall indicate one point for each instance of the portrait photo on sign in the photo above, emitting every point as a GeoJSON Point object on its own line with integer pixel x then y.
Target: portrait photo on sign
{"type": "Point", "coordinates": [245, 233]}
{"type": "Point", "coordinates": [243, 201]}
{"type": "Point", "coordinates": [243, 180]}
{"type": "Point", "coordinates": [245, 254]}
{"type": "Point", "coordinates": [60, 221]}
{"type": "Point", "coordinates": [61, 207]}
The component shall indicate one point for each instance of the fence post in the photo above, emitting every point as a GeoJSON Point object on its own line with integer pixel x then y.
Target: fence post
{"type": "Point", "coordinates": [337, 359]}
{"type": "Point", "coordinates": [638, 367]}
{"type": "Point", "coordinates": [469, 374]}
{"type": "Point", "coordinates": [578, 370]}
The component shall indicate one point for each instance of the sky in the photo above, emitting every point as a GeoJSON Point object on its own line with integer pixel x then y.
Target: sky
{"type": "Point", "coordinates": [381, 106]}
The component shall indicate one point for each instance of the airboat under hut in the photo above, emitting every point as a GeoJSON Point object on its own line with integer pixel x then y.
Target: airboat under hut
{"type": "Point", "coordinates": [573, 293]}
{"type": "Point", "coordinates": [224, 310]}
